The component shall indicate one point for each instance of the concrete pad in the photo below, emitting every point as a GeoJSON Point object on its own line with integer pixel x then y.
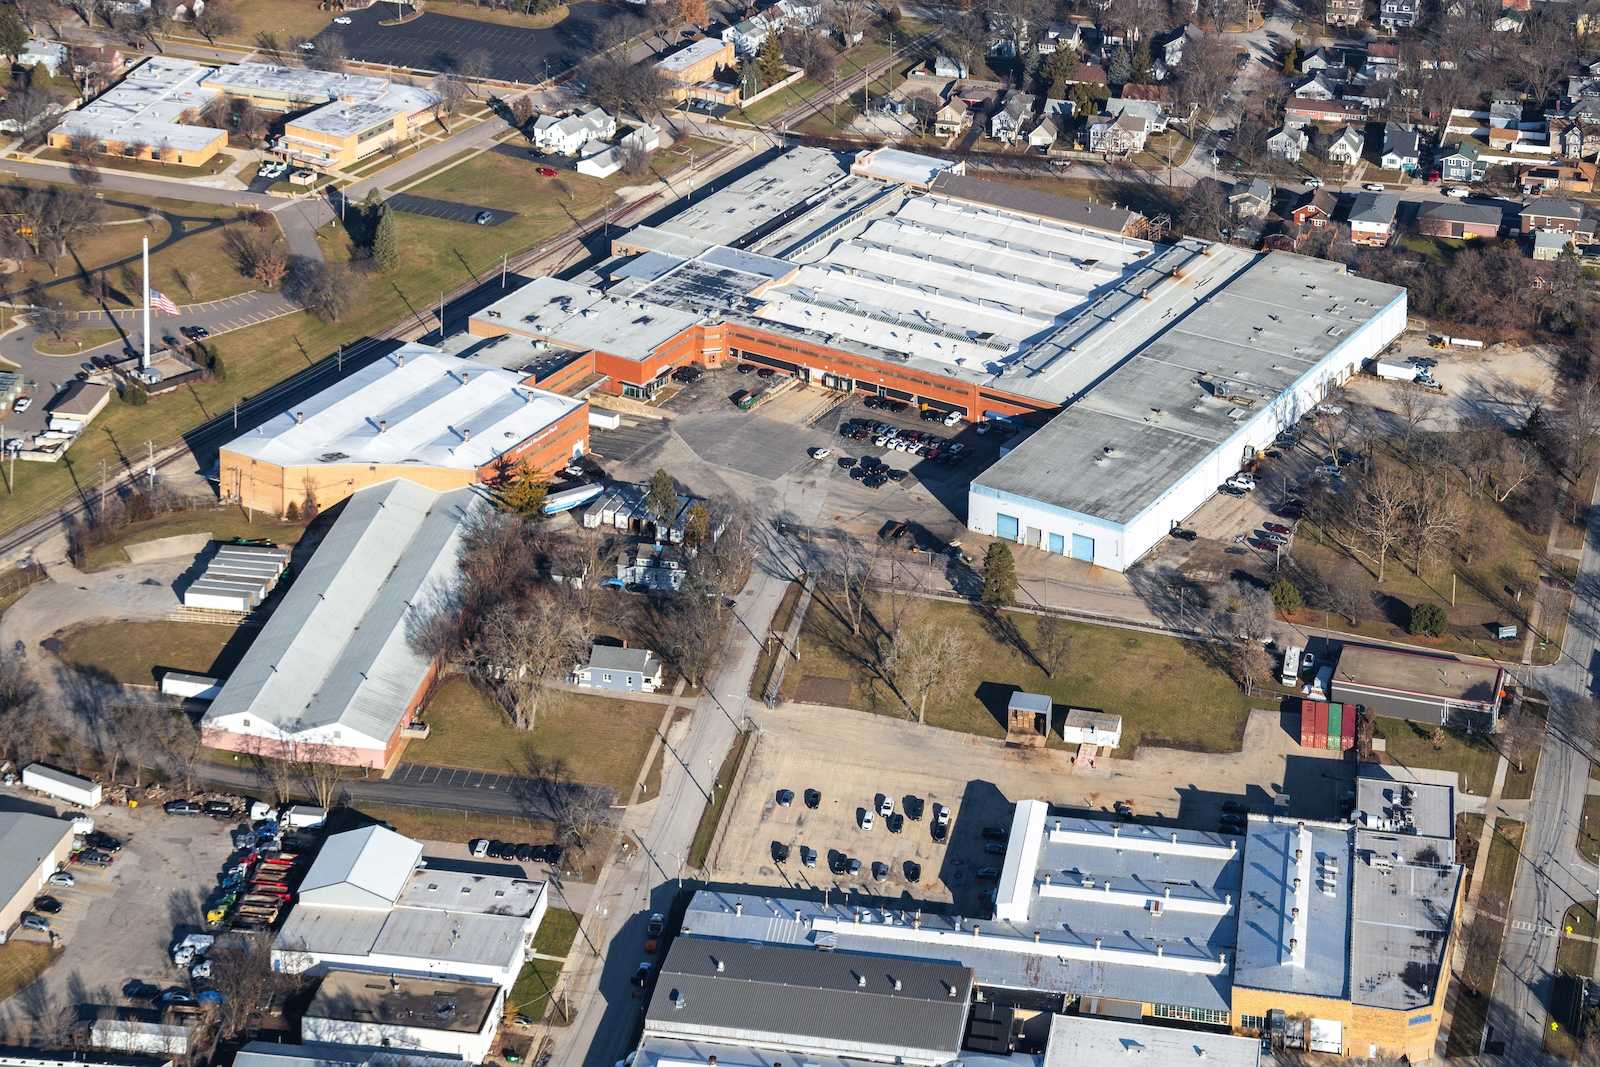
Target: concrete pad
{"type": "Point", "coordinates": [167, 547]}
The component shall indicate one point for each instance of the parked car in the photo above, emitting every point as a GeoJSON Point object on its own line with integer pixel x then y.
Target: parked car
{"type": "Point", "coordinates": [1313, 182]}
{"type": "Point", "coordinates": [994, 848]}
{"type": "Point", "coordinates": [885, 805]}
{"type": "Point", "coordinates": [813, 799]}
{"type": "Point", "coordinates": [1458, 192]}
{"type": "Point", "coordinates": [23, 404]}
{"type": "Point", "coordinates": [880, 871]}
{"type": "Point", "coordinates": [92, 857]}
{"type": "Point", "coordinates": [218, 809]}
{"type": "Point", "coordinates": [47, 905]}
{"type": "Point", "coordinates": [785, 797]}
{"type": "Point", "coordinates": [808, 856]}
{"type": "Point", "coordinates": [864, 819]}
{"type": "Point", "coordinates": [821, 453]}
{"type": "Point", "coordinates": [478, 847]}
{"type": "Point", "coordinates": [996, 833]}
{"type": "Point", "coordinates": [1373, 187]}
{"type": "Point", "coordinates": [913, 805]}
{"type": "Point", "coordinates": [1244, 481]}
{"type": "Point", "coordinates": [30, 921]}
{"type": "Point", "coordinates": [913, 871]}
{"type": "Point", "coordinates": [342, 20]}
{"type": "Point", "coordinates": [62, 880]}
{"type": "Point", "coordinates": [524, 853]}
{"type": "Point", "coordinates": [483, 218]}
{"type": "Point", "coordinates": [988, 874]}
{"type": "Point", "coordinates": [895, 822]}
{"type": "Point", "coordinates": [545, 172]}
{"type": "Point", "coordinates": [853, 866]}
{"type": "Point", "coordinates": [103, 841]}
{"type": "Point", "coordinates": [780, 852]}
{"type": "Point", "coordinates": [642, 976]}
{"type": "Point", "coordinates": [181, 807]}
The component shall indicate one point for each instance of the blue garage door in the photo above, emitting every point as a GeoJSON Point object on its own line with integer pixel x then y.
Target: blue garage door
{"type": "Point", "coordinates": [1083, 547]}
{"type": "Point", "coordinates": [1006, 527]}
{"type": "Point", "coordinates": [1058, 545]}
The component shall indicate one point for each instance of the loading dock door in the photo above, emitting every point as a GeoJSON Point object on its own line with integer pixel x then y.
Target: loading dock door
{"type": "Point", "coordinates": [1083, 548]}
{"type": "Point", "coordinates": [1327, 1035]}
{"type": "Point", "coordinates": [1006, 527]}
{"type": "Point", "coordinates": [1035, 535]}
{"type": "Point", "coordinates": [1058, 545]}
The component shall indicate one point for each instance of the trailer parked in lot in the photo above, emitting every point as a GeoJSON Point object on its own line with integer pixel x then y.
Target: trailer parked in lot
{"type": "Point", "coordinates": [1395, 372]}
{"type": "Point", "coordinates": [61, 785]}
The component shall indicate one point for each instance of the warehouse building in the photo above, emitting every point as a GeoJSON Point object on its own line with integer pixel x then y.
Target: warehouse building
{"type": "Point", "coordinates": [32, 847]}
{"type": "Point", "coordinates": [1419, 686]}
{"type": "Point", "coordinates": [333, 666]}
{"type": "Point", "coordinates": [372, 904]}
{"type": "Point", "coordinates": [416, 414]}
{"type": "Point", "coordinates": [1328, 936]}
{"type": "Point", "coordinates": [1156, 369]}
{"type": "Point", "coordinates": [400, 1011]}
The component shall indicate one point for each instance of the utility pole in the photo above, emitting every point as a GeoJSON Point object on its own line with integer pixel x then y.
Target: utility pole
{"type": "Point", "coordinates": [505, 259]}
{"type": "Point", "coordinates": [150, 451]}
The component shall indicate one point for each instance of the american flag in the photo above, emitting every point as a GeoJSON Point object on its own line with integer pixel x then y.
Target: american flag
{"type": "Point", "coordinates": [160, 301]}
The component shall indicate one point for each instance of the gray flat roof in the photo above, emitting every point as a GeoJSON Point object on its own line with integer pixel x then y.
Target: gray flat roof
{"type": "Point", "coordinates": [25, 840]}
{"type": "Point", "coordinates": [1403, 912]}
{"type": "Point", "coordinates": [1441, 676]}
{"type": "Point", "coordinates": [609, 657]}
{"type": "Point", "coordinates": [760, 198]}
{"type": "Point", "coordinates": [1034, 202]}
{"type": "Point", "coordinates": [839, 1001]}
{"type": "Point", "coordinates": [1420, 808]}
{"type": "Point", "coordinates": [403, 1000]}
{"type": "Point", "coordinates": [1294, 938]}
{"type": "Point", "coordinates": [578, 317]}
{"type": "Point", "coordinates": [1175, 391]}
{"type": "Point", "coordinates": [273, 1054]}
{"type": "Point", "coordinates": [1081, 1041]}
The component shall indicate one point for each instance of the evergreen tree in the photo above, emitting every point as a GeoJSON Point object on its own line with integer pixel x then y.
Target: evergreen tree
{"type": "Point", "coordinates": [1143, 67]}
{"type": "Point", "coordinates": [999, 575]}
{"type": "Point", "coordinates": [661, 500]}
{"type": "Point", "coordinates": [385, 245]}
{"type": "Point", "coordinates": [1119, 71]}
{"type": "Point", "coordinates": [526, 493]}
{"type": "Point", "coordinates": [771, 61]}
{"type": "Point", "coordinates": [13, 33]}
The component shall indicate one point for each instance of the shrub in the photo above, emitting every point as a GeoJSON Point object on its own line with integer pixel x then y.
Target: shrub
{"type": "Point", "coordinates": [1429, 619]}
{"type": "Point", "coordinates": [1286, 597]}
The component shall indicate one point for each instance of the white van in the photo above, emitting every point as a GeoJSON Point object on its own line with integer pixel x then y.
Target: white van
{"type": "Point", "coordinates": [1291, 666]}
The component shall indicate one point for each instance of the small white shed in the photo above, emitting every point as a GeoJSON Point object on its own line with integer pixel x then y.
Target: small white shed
{"type": "Point", "coordinates": [1100, 728]}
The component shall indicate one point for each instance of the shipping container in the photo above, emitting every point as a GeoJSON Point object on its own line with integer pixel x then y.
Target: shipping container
{"type": "Point", "coordinates": [1348, 740]}
{"type": "Point", "coordinates": [61, 785]}
{"type": "Point", "coordinates": [1305, 723]}
{"type": "Point", "coordinates": [1335, 725]}
{"type": "Point", "coordinates": [1313, 723]}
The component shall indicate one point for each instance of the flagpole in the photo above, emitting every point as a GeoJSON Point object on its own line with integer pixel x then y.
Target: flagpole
{"type": "Point", "coordinates": [144, 362]}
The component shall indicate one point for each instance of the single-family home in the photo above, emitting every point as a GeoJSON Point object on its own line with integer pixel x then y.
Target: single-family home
{"type": "Point", "coordinates": [1398, 14]}
{"type": "Point", "coordinates": [1575, 128]}
{"type": "Point", "coordinates": [1550, 244]}
{"type": "Point", "coordinates": [1402, 148]}
{"type": "Point", "coordinates": [1172, 46]}
{"type": "Point", "coordinates": [1043, 135]}
{"type": "Point", "coordinates": [1581, 85]}
{"type": "Point", "coordinates": [1316, 87]}
{"type": "Point", "coordinates": [952, 117]}
{"type": "Point", "coordinates": [628, 670]}
{"type": "Point", "coordinates": [1288, 143]}
{"type": "Point", "coordinates": [748, 35]}
{"type": "Point", "coordinates": [797, 13]}
{"type": "Point", "coordinates": [1329, 58]}
{"type": "Point", "coordinates": [1344, 12]}
{"type": "Point", "coordinates": [38, 52]}
{"type": "Point", "coordinates": [1298, 112]}
{"type": "Point", "coordinates": [1250, 201]}
{"type": "Point", "coordinates": [1372, 218]}
{"type": "Point", "coordinates": [1087, 74]}
{"type": "Point", "coordinates": [1579, 178]}
{"type": "Point", "coordinates": [1009, 119]}
{"type": "Point", "coordinates": [1463, 162]}
{"type": "Point", "coordinates": [1118, 135]}
{"type": "Point", "coordinates": [1459, 221]}
{"type": "Point", "coordinates": [1346, 146]}
{"type": "Point", "coordinates": [1553, 213]}
{"type": "Point", "coordinates": [948, 67]}
{"type": "Point", "coordinates": [566, 136]}
{"type": "Point", "coordinates": [1315, 210]}
{"type": "Point", "coordinates": [658, 567]}
{"type": "Point", "coordinates": [1154, 112]}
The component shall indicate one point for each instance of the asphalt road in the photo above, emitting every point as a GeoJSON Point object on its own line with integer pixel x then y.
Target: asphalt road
{"type": "Point", "coordinates": [437, 42]}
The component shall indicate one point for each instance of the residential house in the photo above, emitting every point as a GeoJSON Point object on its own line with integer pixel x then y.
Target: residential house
{"type": "Point", "coordinates": [748, 36]}
{"type": "Point", "coordinates": [1316, 87]}
{"type": "Point", "coordinates": [1298, 112]}
{"type": "Point", "coordinates": [1153, 112]}
{"type": "Point", "coordinates": [1250, 201]}
{"type": "Point", "coordinates": [1060, 35]}
{"type": "Point", "coordinates": [1558, 179]}
{"type": "Point", "coordinates": [628, 670]}
{"type": "Point", "coordinates": [1550, 244]}
{"type": "Point", "coordinates": [1462, 162]}
{"type": "Point", "coordinates": [952, 118]}
{"type": "Point", "coordinates": [796, 13]}
{"type": "Point", "coordinates": [1009, 119]}
{"type": "Point", "coordinates": [1087, 74]}
{"type": "Point", "coordinates": [1581, 85]}
{"type": "Point", "coordinates": [1008, 33]}
{"type": "Point", "coordinates": [1118, 135]}
{"type": "Point", "coordinates": [1288, 143]}
{"type": "Point", "coordinates": [38, 52]}
{"type": "Point", "coordinates": [1346, 147]}
{"type": "Point", "coordinates": [1043, 135]}
{"type": "Point", "coordinates": [1329, 58]}
{"type": "Point", "coordinates": [566, 136]}
{"type": "Point", "coordinates": [1575, 128]}
{"type": "Point", "coordinates": [1380, 64]}
{"type": "Point", "coordinates": [1398, 14]}
{"type": "Point", "coordinates": [1459, 221]}
{"type": "Point", "coordinates": [977, 94]}
{"type": "Point", "coordinates": [1402, 149]}
{"type": "Point", "coordinates": [656, 567]}
{"type": "Point", "coordinates": [1344, 12]}
{"type": "Point", "coordinates": [948, 67]}
{"type": "Point", "coordinates": [1171, 48]}
{"type": "Point", "coordinates": [1315, 210]}
{"type": "Point", "coordinates": [1062, 111]}
{"type": "Point", "coordinates": [1372, 218]}
{"type": "Point", "coordinates": [1553, 213]}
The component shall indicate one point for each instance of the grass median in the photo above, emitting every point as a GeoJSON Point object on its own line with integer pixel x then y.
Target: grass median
{"type": "Point", "coordinates": [706, 832]}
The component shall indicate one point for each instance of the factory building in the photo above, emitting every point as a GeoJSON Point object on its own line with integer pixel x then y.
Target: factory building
{"type": "Point", "coordinates": [1153, 370]}
{"type": "Point", "coordinates": [416, 414]}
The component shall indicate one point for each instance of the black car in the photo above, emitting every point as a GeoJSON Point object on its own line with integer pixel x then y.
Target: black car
{"type": "Point", "coordinates": [194, 333]}
{"type": "Point", "coordinates": [181, 807]}
{"type": "Point", "coordinates": [880, 871]}
{"type": "Point", "coordinates": [895, 822]}
{"type": "Point", "coordinates": [813, 799]}
{"type": "Point", "coordinates": [103, 841]}
{"type": "Point", "coordinates": [995, 833]}
{"type": "Point", "coordinates": [838, 863]}
{"type": "Point", "coordinates": [47, 904]}
{"type": "Point", "coordinates": [845, 462]}
{"type": "Point", "coordinates": [524, 853]}
{"type": "Point", "coordinates": [785, 797]}
{"type": "Point", "coordinates": [765, 372]}
{"type": "Point", "coordinates": [552, 854]}
{"type": "Point", "coordinates": [500, 850]}
{"type": "Point", "coordinates": [136, 989]}
{"type": "Point", "coordinates": [913, 871]}
{"type": "Point", "coordinates": [912, 806]}
{"type": "Point", "coordinates": [176, 995]}
{"type": "Point", "coordinates": [894, 474]}
{"type": "Point", "coordinates": [688, 375]}
{"type": "Point", "coordinates": [995, 849]}
{"type": "Point", "coordinates": [218, 809]}
{"type": "Point", "coordinates": [745, 368]}
{"type": "Point", "coordinates": [939, 832]}
{"type": "Point", "coordinates": [780, 852]}
{"type": "Point", "coordinates": [808, 856]}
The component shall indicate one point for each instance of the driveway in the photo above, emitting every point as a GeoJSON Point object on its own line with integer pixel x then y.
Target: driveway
{"type": "Point", "coordinates": [443, 42]}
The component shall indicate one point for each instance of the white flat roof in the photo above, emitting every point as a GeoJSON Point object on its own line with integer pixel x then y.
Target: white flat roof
{"type": "Point", "coordinates": [691, 54]}
{"type": "Point", "coordinates": [1081, 1041]}
{"type": "Point", "coordinates": [148, 106]}
{"type": "Point", "coordinates": [577, 317]}
{"type": "Point", "coordinates": [413, 406]}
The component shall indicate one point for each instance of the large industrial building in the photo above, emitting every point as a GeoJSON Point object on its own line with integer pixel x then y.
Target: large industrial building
{"type": "Point", "coordinates": [32, 847]}
{"type": "Point", "coordinates": [417, 414]}
{"type": "Point", "coordinates": [372, 904]}
{"type": "Point", "coordinates": [1155, 370]}
{"type": "Point", "coordinates": [1322, 935]}
{"type": "Point", "coordinates": [333, 670]}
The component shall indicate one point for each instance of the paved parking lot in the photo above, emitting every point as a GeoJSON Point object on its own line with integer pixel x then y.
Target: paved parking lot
{"type": "Point", "coordinates": [440, 42]}
{"type": "Point", "coordinates": [981, 780]}
{"type": "Point", "coordinates": [118, 923]}
{"type": "Point", "coordinates": [449, 210]}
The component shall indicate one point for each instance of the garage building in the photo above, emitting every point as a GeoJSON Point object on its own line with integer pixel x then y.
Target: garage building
{"type": "Point", "coordinates": [401, 1011]}
{"type": "Point", "coordinates": [32, 847]}
{"type": "Point", "coordinates": [1419, 686]}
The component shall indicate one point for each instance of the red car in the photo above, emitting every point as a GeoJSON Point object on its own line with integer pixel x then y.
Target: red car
{"type": "Point", "coordinates": [547, 172]}
{"type": "Point", "coordinates": [1276, 527]}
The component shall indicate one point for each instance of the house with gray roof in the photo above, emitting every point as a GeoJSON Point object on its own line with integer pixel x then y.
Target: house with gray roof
{"type": "Point", "coordinates": [1372, 218]}
{"type": "Point", "coordinates": [1346, 146]}
{"type": "Point", "coordinates": [626, 670]}
{"type": "Point", "coordinates": [1007, 123]}
{"type": "Point", "coordinates": [1401, 148]}
{"type": "Point", "coordinates": [1288, 143]}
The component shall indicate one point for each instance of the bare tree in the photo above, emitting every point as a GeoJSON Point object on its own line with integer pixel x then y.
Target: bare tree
{"type": "Point", "coordinates": [450, 92]}
{"type": "Point", "coordinates": [322, 289]}
{"type": "Point", "coordinates": [1052, 643]}
{"type": "Point", "coordinates": [241, 970]}
{"type": "Point", "coordinates": [1381, 502]}
{"type": "Point", "coordinates": [923, 658]}
{"type": "Point", "coordinates": [314, 768]}
{"type": "Point", "coordinates": [848, 18]}
{"type": "Point", "coordinates": [519, 654]}
{"type": "Point", "coordinates": [1414, 408]}
{"type": "Point", "coordinates": [272, 767]}
{"type": "Point", "coordinates": [1245, 614]}
{"type": "Point", "coordinates": [1514, 463]}
{"type": "Point", "coordinates": [1437, 512]}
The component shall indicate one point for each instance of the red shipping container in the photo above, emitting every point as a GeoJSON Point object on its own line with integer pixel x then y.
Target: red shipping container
{"type": "Point", "coordinates": [1307, 731]}
{"type": "Point", "coordinates": [1321, 740]}
{"type": "Point", "coordinates": [1313, 724]}
{"type": "Point", "coordinates": [1348, 741]}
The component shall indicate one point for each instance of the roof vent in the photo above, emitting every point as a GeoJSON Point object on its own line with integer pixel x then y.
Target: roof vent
{"type": "Point", "coordinates": [383, 424]}
{"type": "Point", "coordinates": [1097, 944]}
{"type": "Point", "coordinates": [738, 907]}
{"type": "Point", "coordinates": [466, 376]}
{"type": "Point", "coordinates": [861, 979]}
{"type": "Point", "coordinates": [400, 359]}
{"type": "Point", "coordinates": [466, 434]}
{"type": "Point", "coordinates": [299, 417]}
{"type": "Point", "coordinates": [896, 984]}
{"type": "Point", "coordinates": [719, 964]}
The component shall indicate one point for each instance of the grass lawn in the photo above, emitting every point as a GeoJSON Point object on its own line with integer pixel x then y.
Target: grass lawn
{"type": "Point", "coordinates": [1164, 689]}
{"type": "Point", "coordinates": [768, 108]}
{"type": "Point", "coordinates": [1574, 956]}
{"type": "Point", "coordinates": [132, 652]}
{"type": "Point", "coordinates": [1501, 871]}
{"type": "Point", "coordinates": [1472, 756]}
{"type": "Point", "coordinates": [77, 340]}
{"type": "Point", "coordinates": [285, 18]}
{"type": "Point", "coordinates": [20, 963]}
{"type": "Point", "coordinates": [1436, 249]}
{"type": "Point", "coordinates": [543, 20]}
{"type": "Point", "coordinates": [600, 741]}
{"type": "Point", "coordinates": [557, 931]}
{"type": "Point", "coordinates": [706, 831]}
{"type": "Point", "coordinates": [221, 522]}
{"type": "Point", "coordinates": [149, 167]}
{"type": "Point", "coordinates": [535, 984]}
{"type": "Point", "coordinates": [440, 824]}
{"type": "Point", "coordinates": [769, 655]}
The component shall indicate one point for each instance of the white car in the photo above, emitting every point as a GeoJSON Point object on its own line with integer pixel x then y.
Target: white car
{"type": "Point", "coordinates": [821, 453]}
{"type": "Point", "coordinates": [23, 404]}
{"type": "Point", "coordinates": [1329, 409]}
{"type": "Point", "coordinates": [1313, 182]}
{"type": "Point", "coordinates": [1247, 482]}
{"type": "Point", "coordinates": [1375, 187]}
{"type": "Point", "coordinates": [307, 46]}
{"type": "Point", "coordinates": [885, 806]}
{"type": "Point", "coordinates": [941, 815]}
{"type": "Point", "coordinates": [865, 819]}
{"type": "Point", "coordinates": [342, 20]}
{"type": "Point", "coordinates": [952, 419]}
{"type": "Point", "coordinates": [1458, 192]}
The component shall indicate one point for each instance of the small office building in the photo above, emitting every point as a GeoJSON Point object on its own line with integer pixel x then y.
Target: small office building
{"type": "Point", "coordinates": [1419, 686]}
